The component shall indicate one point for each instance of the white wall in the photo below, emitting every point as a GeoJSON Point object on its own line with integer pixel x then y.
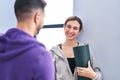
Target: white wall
{"type": "Point", "coordinates": [51, 36]}
{"type": "Point", "coordinates": [56, 11]}
{"type": "Point", "coordinates": [101, 23]}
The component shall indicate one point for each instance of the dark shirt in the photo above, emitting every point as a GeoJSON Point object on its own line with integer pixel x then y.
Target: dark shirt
{"type": "Point", "coordinates": [71, 62]}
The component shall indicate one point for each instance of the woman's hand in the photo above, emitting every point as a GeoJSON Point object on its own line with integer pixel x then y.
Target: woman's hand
{"type": "Point", "coordinates": [86, 72]}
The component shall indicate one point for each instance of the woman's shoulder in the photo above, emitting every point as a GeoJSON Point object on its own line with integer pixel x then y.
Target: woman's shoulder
{"type": "Point", "coordinates": [56, 47]}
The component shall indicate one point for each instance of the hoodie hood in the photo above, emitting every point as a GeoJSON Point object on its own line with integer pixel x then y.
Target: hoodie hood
{"type": "Point", "coordinates": [13, 43]}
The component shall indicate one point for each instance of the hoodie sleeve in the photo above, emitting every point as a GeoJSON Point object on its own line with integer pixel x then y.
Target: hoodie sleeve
{"type": "Point", "coordinates": [95, 67]}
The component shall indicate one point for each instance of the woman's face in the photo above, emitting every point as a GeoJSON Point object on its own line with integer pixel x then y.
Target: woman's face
{"type": "Point", "coordinates": [72, 29]}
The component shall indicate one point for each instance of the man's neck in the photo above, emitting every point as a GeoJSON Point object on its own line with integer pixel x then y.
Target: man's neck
{"type": "Point", "coordinates": [26, 28]}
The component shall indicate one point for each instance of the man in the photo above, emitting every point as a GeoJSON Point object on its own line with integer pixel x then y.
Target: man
{"type": "Point", "coordinates": [21, 56]}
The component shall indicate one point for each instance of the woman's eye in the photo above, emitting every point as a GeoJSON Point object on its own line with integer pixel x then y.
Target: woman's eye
{"type": "Point", "coordinates": [76, 28]}
{"type": "Point", "coordinates": [68, 26]}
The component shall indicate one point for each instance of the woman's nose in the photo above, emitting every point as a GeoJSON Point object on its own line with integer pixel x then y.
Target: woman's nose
{"type": "Point", "coordinates": [71, 30]}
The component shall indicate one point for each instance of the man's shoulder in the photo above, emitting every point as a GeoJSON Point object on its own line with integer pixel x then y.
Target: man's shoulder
{"type": "Point", "coordinates": [37, 46]}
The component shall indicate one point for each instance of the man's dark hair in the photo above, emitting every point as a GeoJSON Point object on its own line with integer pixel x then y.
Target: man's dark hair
{"type": "Point", "coordinates": [73, 18]}
{"type": "Point", "coordinates": [23, 8]}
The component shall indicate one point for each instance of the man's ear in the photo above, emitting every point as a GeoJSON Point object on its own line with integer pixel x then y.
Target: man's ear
{"type": "Point", "coordinates": [37, 18]}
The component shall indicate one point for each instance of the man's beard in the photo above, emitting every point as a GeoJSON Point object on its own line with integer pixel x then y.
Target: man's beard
{"type": "Point", "coordinates": [37, 31]}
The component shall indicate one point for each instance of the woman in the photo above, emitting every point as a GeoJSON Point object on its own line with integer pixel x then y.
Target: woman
{"type": "Point", "coordinates": [64, 56]}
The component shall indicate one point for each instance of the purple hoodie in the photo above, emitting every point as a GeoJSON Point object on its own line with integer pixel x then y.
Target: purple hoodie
{"type": "Point", "coordinates": [23, 58]}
